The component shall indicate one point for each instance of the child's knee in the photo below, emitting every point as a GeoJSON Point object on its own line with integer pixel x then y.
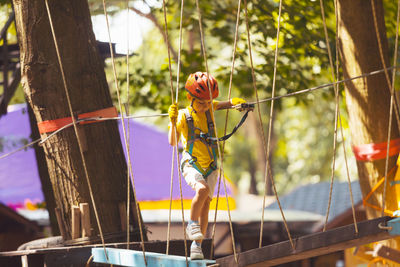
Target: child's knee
{"type": "Point", "coordinates": [203, 190]}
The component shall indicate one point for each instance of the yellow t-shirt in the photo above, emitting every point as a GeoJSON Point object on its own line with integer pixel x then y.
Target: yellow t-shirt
{"type": "Point", "coordinates": [200, 150]}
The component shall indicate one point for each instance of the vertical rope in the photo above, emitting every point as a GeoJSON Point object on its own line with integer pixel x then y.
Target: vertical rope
{"type": "Point", "coordinates": [124, 130]}
{"type": "Point", "coordinates": [392, 99]}
{"type": "Point", "coordinates": [175, 148]}
{"type": "Point", "coordinates": [128, 191]}
{"type": "Point", "coordinates": [176, 134]}
{"type": "Point", "coordinates": [261, 127]}
{"type": "Point", "coordinates": [336, 112]}
{"type": "Point", "coordinates": [75, 127]}
{"type": "Point", "coordinates": [204, 51]}
{"type": "Point", "coordinates": [267, 167]}
{"type": "Point", "coordinates": [340, 120]}
{"type": "Point", "coordinates": [223, 145]}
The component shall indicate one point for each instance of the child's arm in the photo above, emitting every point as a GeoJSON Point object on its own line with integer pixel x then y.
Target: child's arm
{"type": "Point", "coordinates": [173, 114]}
{"type": "Point", "coordinates": [228, 104]}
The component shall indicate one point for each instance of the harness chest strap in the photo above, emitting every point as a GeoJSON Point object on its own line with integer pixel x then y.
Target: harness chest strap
{"type": "Point", "coordinates": [202, 137]}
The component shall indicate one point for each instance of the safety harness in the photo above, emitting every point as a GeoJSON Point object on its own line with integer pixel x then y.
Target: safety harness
{"type": "Point", "coordinates": [195, 134]}
{"type": "Point", "coordinates": [209, 139]}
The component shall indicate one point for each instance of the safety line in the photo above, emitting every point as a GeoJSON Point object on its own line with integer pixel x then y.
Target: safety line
{"type": "Point", "coordinates": [255, 103]}
{"type": "Point", "coordinates": [364, 75]}
{"type": "Point", "coordinates": [124, 131]}
{"type": "Point", "coordinates": [222, 176]}
{"type": "Point", "coordinates": [75, 126]}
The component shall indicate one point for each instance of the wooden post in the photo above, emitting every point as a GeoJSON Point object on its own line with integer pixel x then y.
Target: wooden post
{"type": "Point", "coordinates": [76, 222]}
{"type": "Point", "coordinates": [85, 219]}
{"type": "Point", "coordinates": [60, 223]}
{"type": "Point", "coordinates": [122, 215]}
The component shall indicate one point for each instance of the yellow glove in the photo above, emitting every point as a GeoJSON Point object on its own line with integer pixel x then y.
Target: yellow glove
{"type": "Point", "coordinates": [236, 101]}
{"type": "Point", "coordinates": [173, 113]}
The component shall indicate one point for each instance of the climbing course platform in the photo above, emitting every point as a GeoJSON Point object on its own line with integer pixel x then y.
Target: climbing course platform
{"type": "Point", "coordinates": [134, 258]}
{"type": "Point", "coordinates": [317, 244]}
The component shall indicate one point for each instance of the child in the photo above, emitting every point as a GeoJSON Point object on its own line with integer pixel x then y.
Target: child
{"type": "Point", "coordinates": [194, 125]}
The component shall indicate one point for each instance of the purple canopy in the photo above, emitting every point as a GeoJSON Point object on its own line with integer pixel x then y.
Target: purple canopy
{"type": "Point", "coordinates": [151, 157]}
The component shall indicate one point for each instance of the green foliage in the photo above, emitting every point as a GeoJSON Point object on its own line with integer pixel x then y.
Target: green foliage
{"type": "Point", "coordinates": [302, 63]}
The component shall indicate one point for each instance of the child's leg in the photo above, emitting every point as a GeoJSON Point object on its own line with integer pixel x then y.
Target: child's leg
{"type": "Point", "coordinates": [204, 216]}
{"type": "Point", "coordinates": [199, 200]}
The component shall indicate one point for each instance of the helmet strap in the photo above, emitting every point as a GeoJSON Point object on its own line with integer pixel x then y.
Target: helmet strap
{"type": "Point", "coordinates": [191, 104]}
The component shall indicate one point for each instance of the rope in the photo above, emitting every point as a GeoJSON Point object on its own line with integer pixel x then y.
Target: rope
{"type": "Point", "coordinates": [341, 126]}
{"type": "Point", "coordinates": [124, 130]}
{"type": "Point", "coordinates": [267, 167]}
{"type": "Point", "coordinates": [75, 127]}
{"type": "Point", "coordinates": [223, 145]}
{"type": "Point", "coordinates": [128, 191]}
{"type": "Point", "coordinates": [337, 112]}
{"type": "Point", "coordinates": [391, 89]}
{"type": "Point", "coordinates": [393, 82]}
{"type": "Point", "coordinates": [378, 37]}
{"type": "Point", "coordinates": [254, 103]}
{"type": "Point", "coordinates": [176, 135]}
{"type": "Point", "coordinates": [173, 149]}
{"type": "Point", "coordinates": [213, 118]}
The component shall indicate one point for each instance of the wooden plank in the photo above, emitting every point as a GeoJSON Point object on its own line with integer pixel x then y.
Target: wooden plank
{"type": "Point", "coordinates": [387, 253]}
{"type": "Point", "coordinates": [85, 219]}
{"type": "Point", "coordinates": [60, 223]}
{"type": "Point", "coordinates": [312, 245]}
{"type": "Point", "coordinates": [77, 253]}
{"type": "Point", "coordinates": [133, 258]}
{"type": "Point", "coordinates": [76, 222]}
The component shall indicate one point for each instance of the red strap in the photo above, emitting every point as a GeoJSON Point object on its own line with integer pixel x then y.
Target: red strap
{"type": "Point", "coordinates": [371, 152]}
{"type": "Point", "coordinates": [53, 125]}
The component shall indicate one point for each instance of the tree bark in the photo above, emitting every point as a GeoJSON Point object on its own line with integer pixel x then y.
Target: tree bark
{"type": "Point", "coordinates": [367, 99]}
{"type": "Point", "coordinates": [44, 174]}
{"type": "Point", "coordinates": [88, 90]}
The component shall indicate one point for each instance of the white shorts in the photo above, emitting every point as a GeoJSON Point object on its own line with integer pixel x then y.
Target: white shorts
{"type": "Point", "coordinates": [193, 176]}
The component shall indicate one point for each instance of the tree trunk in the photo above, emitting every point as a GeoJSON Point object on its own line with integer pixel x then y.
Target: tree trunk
{"type": "Point", "coordinates": [44, 174]}
{"type": "Point", "coordinates": [367, 99]}
{"type": "Point", "coordinates": [88, 90]}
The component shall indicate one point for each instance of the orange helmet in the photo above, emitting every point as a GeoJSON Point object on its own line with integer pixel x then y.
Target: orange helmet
{"type": "Point", "coordinates": [197, 85]}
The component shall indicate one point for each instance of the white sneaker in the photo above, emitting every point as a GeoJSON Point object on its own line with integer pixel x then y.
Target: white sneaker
{"type": "Point", "coordinates": [193, 232]}
{"type": "Point", "coordinates": [196, 253]}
